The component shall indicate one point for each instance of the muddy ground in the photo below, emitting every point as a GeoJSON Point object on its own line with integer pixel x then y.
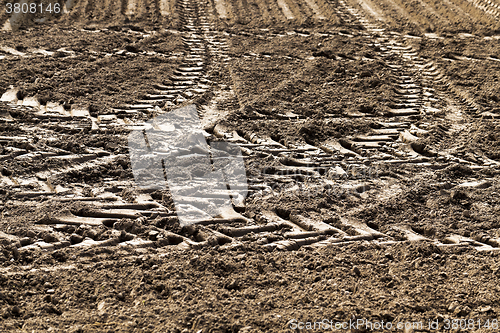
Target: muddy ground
{"type": "Point", "coordinates": [415, 227]}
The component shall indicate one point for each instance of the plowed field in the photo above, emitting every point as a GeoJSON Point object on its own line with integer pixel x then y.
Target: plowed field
{"type": "Point", "coordinates": [368, 134]}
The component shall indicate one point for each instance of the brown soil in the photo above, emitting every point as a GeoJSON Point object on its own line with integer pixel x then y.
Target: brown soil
{"type": "Point", "coordinates": [415, 231]}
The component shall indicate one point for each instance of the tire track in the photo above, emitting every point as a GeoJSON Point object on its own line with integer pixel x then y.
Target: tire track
{"type": "Point", "coordinates": [252, 9]}
{"type": "Point", "coordinates": [104, 10]}
{"type": "Point", "coordinates": [81, 164]}
{"type": "Point", "coordinates": [51, 182]}
{"type": "Point", "coordinates": [263, 10]}
{"type": "Point", "coordinates": [301, 231]}
{"type": "Point", "coordinates": [164, 7]}
{"type": "Point", "coordinates": [101, 214]}
{"type": "Point", "coordinates": [487, 6]}
{"type": "Point", "coordinates": [285, 9]}
{"type": "Point", "coordinates": [222, 9]}
{"type": "Point", "coordinates": [239, 12]}
{"type": "Point", "coordinates": [327, 11]}
{"type": "Point", "coordinates": [316, 9]}
{"type": "Point", "coordinates": [108, 209]}
{"type": "Point", "coordinates": [110, 220]}
{"type": "Point", "coordinates": [132, 9]}
{"type": "Point", "coordinates": [77, 14]}
{"type": "Point", "coordinates": [414, 82]}
{"type": "Point", "coordinates": [142, 10]}
{"type": "Point", "coordinates": [305, 11]}
{"type": "Point", "coordinates": [188, 79]}
{"type": "Point", "coordinates": [425, 95]}
{"type": "Point", "coordinates": [68, 6]}
{"type": "Point", "coordinates": [436, 18]}
{"type": "Point", "coordinates": [89, 10]}
{"type": "Point", "coordinates": [275, 11]}
{"type": "Point", "coordinates": [297, 11]}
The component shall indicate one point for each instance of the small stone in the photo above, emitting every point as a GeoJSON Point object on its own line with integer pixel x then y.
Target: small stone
{"type": "Point", "coordinates": [153, 235]}
{"type": "Point", "coordinates": [49, 308]}
{"type": "Point", "coordinates": [485, 309]}
{"type": "Point", "coordinates": [457, 311]}
{"type": "Point", "coordinates": [101, 305]}
{"type": "Point", "coordinates": [132, 48]}
{"type": "Point", "coordinates": [386, 278]}
{"type": "Point", "coordinates": [187, 298]}
{"type": "Point", "coordinates": [464, 311]}
{"type": "Point", "coordinates": [64, 228]}
{"type": "Point", "coordinates": [458, 195]}
{"type": "Point", "coordinates": [444, 192]}
{"type": "Point", "coordinates": [76, 329]}
{"type": "Point", "coordinates": [453, 306]}
{"type": "Point", "coordinates": [49, 238]}
{"type": "Point", "coordinates": [51, 291]}
{"type": "Point", "coordinates": [232, 285]}
{"type": "Point", "coordinates": [15, 252]}
{"type": "Point", "coordinates": [75, 239]}
{"type": "Point", "coordinates": [6, 172]}
{"type": "Point", "coordinates": [466, 213]}
{"type": "Point", "coordinates": [25, 241]}
{"type": "Point", "coordinates": [16, 311]}
{"type": "Point", "coordinates": [477, 184]}
{"type": "Point", "coordinates": [356, 270]}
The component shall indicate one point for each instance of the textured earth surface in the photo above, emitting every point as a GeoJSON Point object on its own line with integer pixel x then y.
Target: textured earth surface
{"type": "Point", "coordinates": [370, 135]}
